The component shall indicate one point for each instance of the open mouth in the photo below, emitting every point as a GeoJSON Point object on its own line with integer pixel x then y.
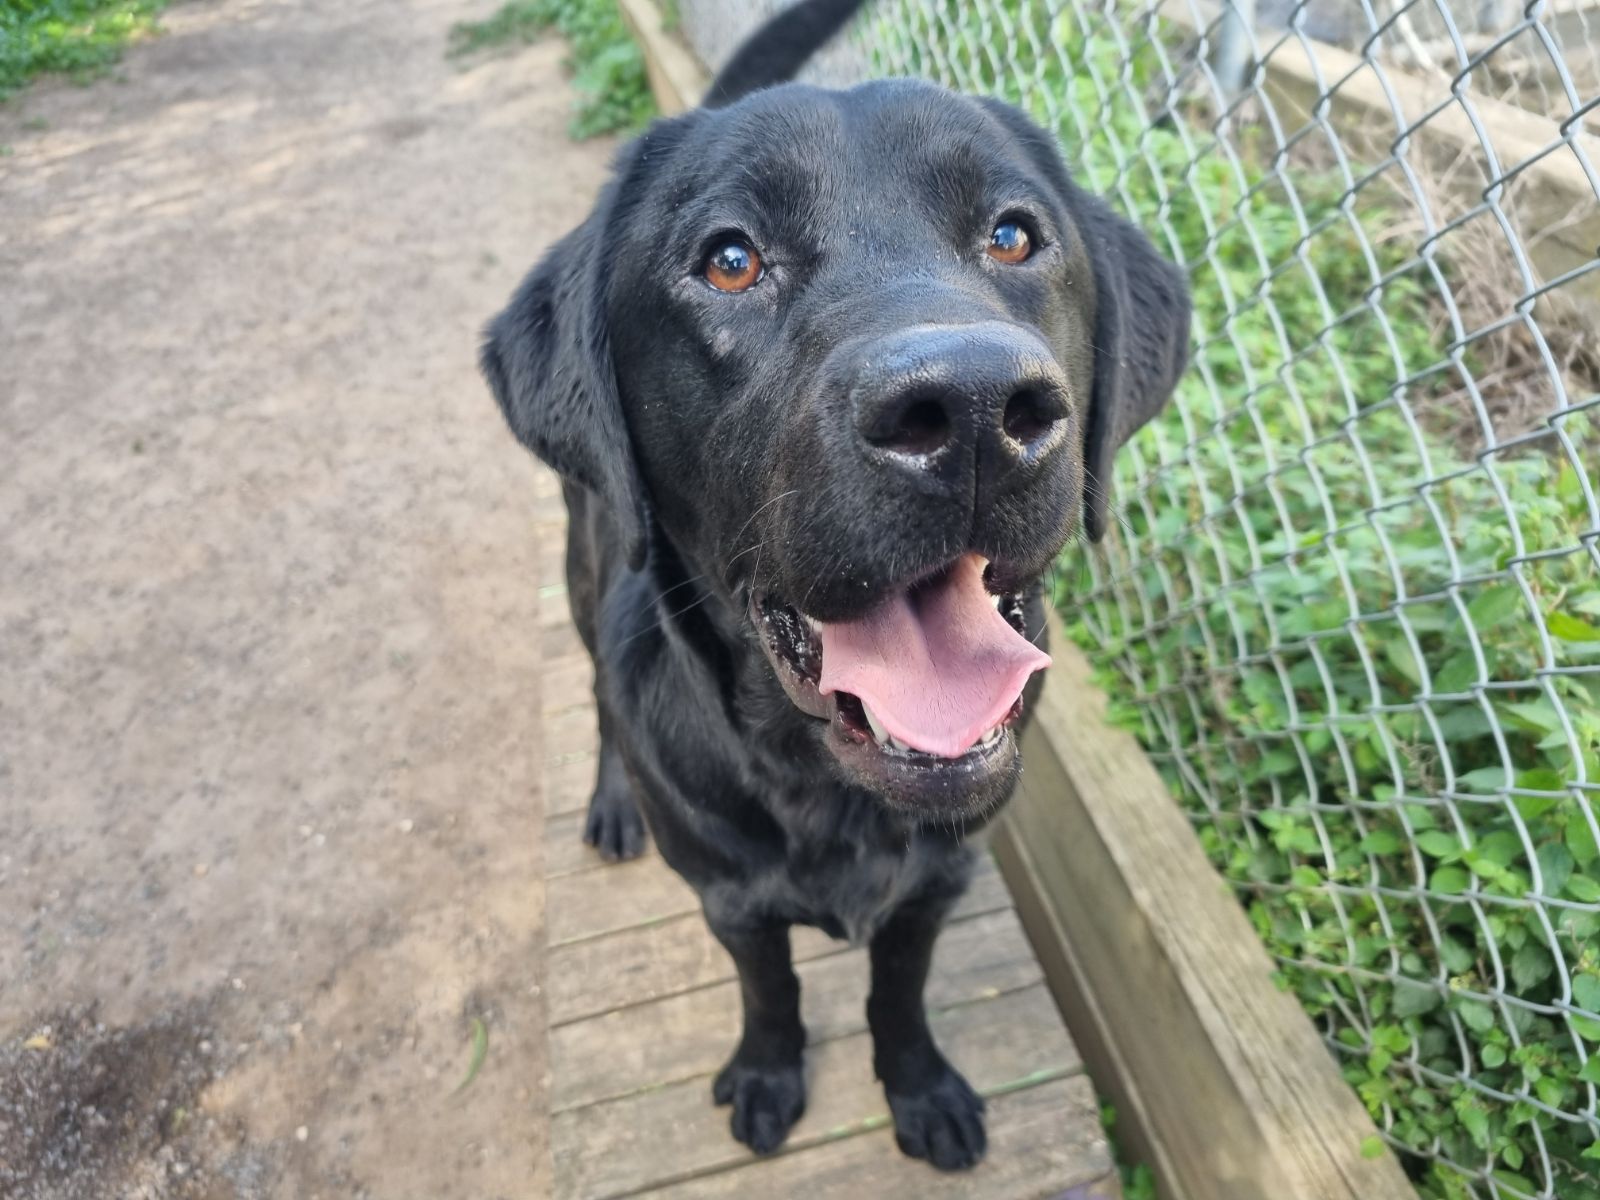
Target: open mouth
{"type": "Point", "coordinates": [927, 684]}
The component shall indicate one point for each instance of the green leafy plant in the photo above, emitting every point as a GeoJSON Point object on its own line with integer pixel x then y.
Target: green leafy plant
{"type": "Point", "coordinates": [607, 65]}
{"type": "Point", "coordinates": [1365, 657]}
{"type": "Point", "coordinates": [1138, 1181]}
{"type": "Point", "coordinates": [77, 38]}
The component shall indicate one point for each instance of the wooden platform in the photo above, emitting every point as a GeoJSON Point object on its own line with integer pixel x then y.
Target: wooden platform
{"type": "Point", "coordinates": [644, 1008]}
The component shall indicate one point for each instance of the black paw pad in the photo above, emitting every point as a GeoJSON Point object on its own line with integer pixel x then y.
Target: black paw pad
{"type": "Point", "coordinates": [767, 1101]}
{"type": "Point", "coordinates": [942, 1123]}
{"type": "Point", "coordinates": [614, 826]}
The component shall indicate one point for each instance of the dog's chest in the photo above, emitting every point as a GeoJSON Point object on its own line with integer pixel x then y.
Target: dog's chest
{"type": "Point", "coordinates": [849, 871]}
{"type": "Point", "coordinates": [847, 894]}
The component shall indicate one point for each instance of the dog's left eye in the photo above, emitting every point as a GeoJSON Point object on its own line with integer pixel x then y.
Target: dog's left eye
{"type": "Point", "coordinates": [1010, 243]}
{"type": "Point", "coordinates": [733, 267]}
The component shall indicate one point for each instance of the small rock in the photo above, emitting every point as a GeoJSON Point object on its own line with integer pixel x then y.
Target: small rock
{"type": "Point", "coordinates": [301, 1134]}
{"type": "Point", "coordinates": [407, 825]}
{"type": "Point", "coordinates": [201, 870]}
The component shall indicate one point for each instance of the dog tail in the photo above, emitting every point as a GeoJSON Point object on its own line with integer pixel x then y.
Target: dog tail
{"type": "Point", "coordinates": [776, 52]}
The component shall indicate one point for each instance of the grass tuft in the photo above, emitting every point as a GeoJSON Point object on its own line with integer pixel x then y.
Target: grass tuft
{"type": "Point", "coordinates": [77, 38]}
{"type": "Point", "coordinates": [607, 65]}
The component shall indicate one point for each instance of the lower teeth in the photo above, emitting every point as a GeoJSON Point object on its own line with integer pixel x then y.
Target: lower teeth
{"type": "Point", "coordinates": [884, 738]}
{"type": "Point", "coordinates": [879, 733]}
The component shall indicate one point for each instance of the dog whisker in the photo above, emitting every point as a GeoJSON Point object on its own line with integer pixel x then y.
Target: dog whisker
{"type": "Point", "coordinates": [680, 585]}
{"type": "Point", "coordinates": [659, 624]}
{"type": "Point", "coordinates": [763, 508]}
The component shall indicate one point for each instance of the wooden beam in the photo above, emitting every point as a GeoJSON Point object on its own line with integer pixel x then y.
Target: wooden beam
{"type": "Point", "coordinates": [676, 76]}
{"type": "Point", "coordinates": [1555, 207]}
{"type": "Point", "coordinates": [1222, 1084]}
{"type": "Point", "coordinates": [669, 1130]}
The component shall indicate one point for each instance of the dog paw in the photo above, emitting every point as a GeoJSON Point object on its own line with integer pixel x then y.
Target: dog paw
{"type": "Point", "coordinates": [614, 826]}
{"type": "Point", "coordinates": [942, 1123]}
{"type": "Point", "coordinates": [767, 1101]}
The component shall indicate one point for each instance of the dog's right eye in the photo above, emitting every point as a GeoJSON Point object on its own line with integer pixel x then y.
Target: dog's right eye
{"type": "Point", "coordinates": [733, 267]}
{"type": "Point", "coordinates": [1010, 243]}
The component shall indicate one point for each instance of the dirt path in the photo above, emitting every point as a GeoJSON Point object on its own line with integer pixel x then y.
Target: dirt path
{"type": "Point", "coordinates": [268, 760]}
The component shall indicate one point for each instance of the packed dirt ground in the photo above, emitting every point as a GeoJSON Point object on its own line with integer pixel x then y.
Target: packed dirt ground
{"type": "Point", "coordinates": [268, 805]}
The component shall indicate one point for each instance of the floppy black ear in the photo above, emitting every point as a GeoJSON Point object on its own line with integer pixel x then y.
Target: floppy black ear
{"type": "Point", "coordinates": [1141, 343]}
{"type": "Point", "coordinates": [548, 361]}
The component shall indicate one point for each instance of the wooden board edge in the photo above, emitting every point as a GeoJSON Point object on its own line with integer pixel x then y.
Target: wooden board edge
{"type": "Point", "coordinates": [1298, 69]}
{"type": "Point", "coordinates": [1080, 1009]}
{"type": "Point", "coordinates": [676, 78]}
{"type": "Point", "coordinates": [1222, 1084]}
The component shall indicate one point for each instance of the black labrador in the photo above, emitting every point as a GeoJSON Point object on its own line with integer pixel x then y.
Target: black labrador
{"type": "Point", "coordinates": [830, 378]}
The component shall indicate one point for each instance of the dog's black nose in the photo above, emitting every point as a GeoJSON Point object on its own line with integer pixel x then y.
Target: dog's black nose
{"type": "Point", "coordinates": [930, 394]}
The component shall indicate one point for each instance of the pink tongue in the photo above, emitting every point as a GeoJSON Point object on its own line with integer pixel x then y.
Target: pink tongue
{"type": "Point", "coordinates": [939, 667]}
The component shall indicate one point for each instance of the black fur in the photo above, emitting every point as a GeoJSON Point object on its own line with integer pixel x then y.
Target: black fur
{"type": "Point", "coordinates": [715, 447]}
{"type": "Point", "coordinates": [779, 49]}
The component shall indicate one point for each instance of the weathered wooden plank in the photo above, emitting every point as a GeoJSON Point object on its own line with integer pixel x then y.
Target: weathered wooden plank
{"type": "Point", "coordinates": [634, 967]}
{"type": "Point", "coordinates": [620, 895]}
{"type": "Point", "coordinates": [555, 618]}
{"type": "Point", "coordinates": [672, 1132]}
{"type": "Point", "coordinates": [676, 76]}
{"type": "Point", "coordinates": [564, 849]}
{"type": "Point", "coordinates": [571, 730]}
{"type": "Point", "coordinates": [566, 681]}
{"type": "Point", "coordinates": [559, 639]}
{"type": "Point", "coordinates": [1217, 1073]}
{"type": "Point", "coordinates": [568, 779]}
{"type": "Point", "coordinates": [691, 1033]}
{"type": "Point", "coordinates": [1044, 1141]}
{"type": "Point", "coordinates": [669, 949]}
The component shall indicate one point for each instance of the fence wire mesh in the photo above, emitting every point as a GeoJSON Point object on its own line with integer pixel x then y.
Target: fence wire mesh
{"type": "Point", "coordinates": [1352, 602]}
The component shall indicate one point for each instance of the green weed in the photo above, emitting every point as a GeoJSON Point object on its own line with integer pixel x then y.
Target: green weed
{"type": "Point", "coordinates": [1138, 1181]}
{"type": "Point", "coordinates": [608, 68]}
{"type": "Point", "coordinates": [76, 38]}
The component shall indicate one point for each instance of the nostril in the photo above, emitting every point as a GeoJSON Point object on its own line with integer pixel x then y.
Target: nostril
{"type": "Point", "coordinates": [1029, 416]}
{"type": "Point", "coordinates": [924, 427]}
{"type": "Point", "coordinates": [920, 428]}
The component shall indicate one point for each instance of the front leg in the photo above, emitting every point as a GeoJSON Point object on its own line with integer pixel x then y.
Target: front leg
{"type": "Point", "coordinates": [764, 1081]}
{"type": "Point", "coordinates": [937, 1115]}
{"type": "Point", "coordinates": [614, 826]}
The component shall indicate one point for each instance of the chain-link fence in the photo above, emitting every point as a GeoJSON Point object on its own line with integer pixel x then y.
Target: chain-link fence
{"type": "Point", "coordinates": [1352, 605]}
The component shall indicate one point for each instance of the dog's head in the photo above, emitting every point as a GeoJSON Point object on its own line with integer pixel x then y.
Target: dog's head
{"type": "Point", "coordinates": [863, 358]}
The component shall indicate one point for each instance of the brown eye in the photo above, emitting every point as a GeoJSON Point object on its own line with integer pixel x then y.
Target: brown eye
{"type": "Point", "coordinates": [733, 267]}
{"type": "Point", "coordinates": [1010, 243]}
